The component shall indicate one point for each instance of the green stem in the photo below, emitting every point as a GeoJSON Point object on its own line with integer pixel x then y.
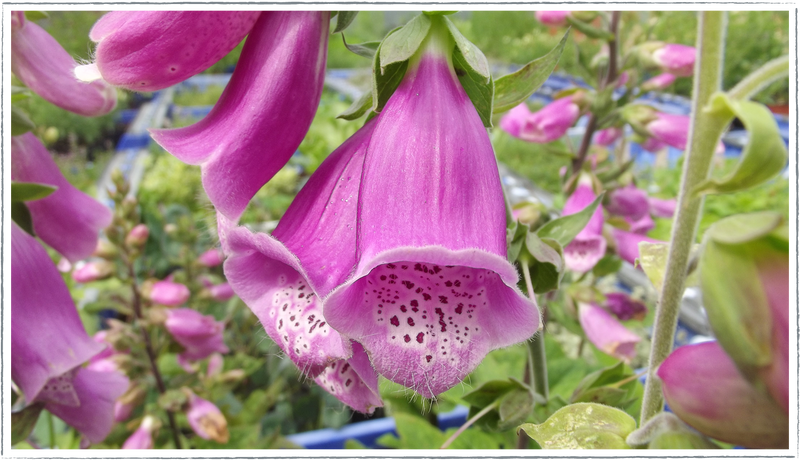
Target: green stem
{"type": "Point", "coordinates": [697, 167]}
{"type": "Point", "coordinates": [772, 71]}
{"type": "Point", "coordinates": [469, 423]}
{"type": "Point", "coordinates": [51, 430]}
{"type": "Point", "coordinates": [538, 359]}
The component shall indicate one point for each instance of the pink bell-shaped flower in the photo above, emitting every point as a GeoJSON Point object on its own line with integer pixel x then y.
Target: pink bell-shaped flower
{"type": "Point", "coordinates": [142, 438]}
{"type": "Point", "coordinates": [627, 244]}
{"type": "Point", "coordinates": [625, 308]}
{"type": "Point", "coordinates": [607, 136]}
{"type": "Point", "coordinates": [92, 271]}
{"type": "Point", "coordinates": [552, 18]}
{"type": "Point", "coordinates": [211, 258]}
{"type": "Point", "coordinates": [662, 208]}
{"type": "Point", "coordinates": [588, 246]}
{"type": "Point", "coordinates": [221, 292]}
{"type": "Point", "coordinates": [40, 62]}
{"type": "Point", "coordinates": [704, 388]}
{"type": "Point", "coordinates": [353, 381]}
{"type": "Point", "coordinates": [200, 335]}
{"type": "Point", "coordinates": [653, 145]}
{"type": "Point", "coordinates": [676, 59]}
{"type": "Point", "coordinates": [138, 235]}
{"type": "Point", "coordinates": [432, 292]}
{"type": "Point", "coordinates": [628, 201]}
{"type": "Point", "coordinates": [641, 226]}
{"type": "Point", "coordinates": [68, 220]}
{"type": "Point", "coordinates": [151, 50]}
{"type": "Point", "coordinates": [661, 81]}
{"type": "Point", "coordinates": [513, 121]}
{"type": "Point", "coordinates": [168, 293]}
{"type": "Point", "coordinates": [206, 419]}
{"type": "Point", "coordinates": [551, 122]}
{"type": "Point", "coordinates": [606, 333]}
{"type": "Point", "coordinates": [263, 115]}
{"type": "Point", "coordinates": [672, 130]}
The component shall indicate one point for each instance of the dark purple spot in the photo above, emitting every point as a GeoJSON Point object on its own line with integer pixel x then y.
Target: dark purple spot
{"type": "Point", "coordinates": [459, 308]}
{"type": "Point", "coordinates": [280, 324]}
{"type": "Point", "coordinates": [348, 382]}
{"type": "Point", "coordinates": [420, 337]}
{"type": "Point", "coordinates": [390, 266]}
{"type": "Point", "coordinates": [458, 283]}
{"type": "Point", "coordinates": [426, 296]}
{"type": "Point", "coordinates": [407, 338]}
{"type": "Point", "coordinates": [403, 308]}
{"type": "Point", "coordinates": [284, 306]}
{"type": "Point", "coordinates": [442, 299]}
{"type": "Point", "coordinates": [345, 367]}
{"type": "Point", "coordinates": [404, 267]}
{"type": "Point", "coordinates": [410, 321]}
{"type": "Point", "coordinates": [428, 358]}
{"type": "Point", "coordinates": [414, 303]}
{"type": "Point", "coordinates": [395, 322]}
{"type": "Point", "coordinates": [383, 277]}
{"type": "Point", "coordinates": [311, 318]}
{"type": "Point", "coordinates": [448, 283]}
{"type": "Point", "coordinates": [291, 318]}
{"type": "Point", "coordinates": [301, 296]}
{"type": "Point", "coordinates": [408, 284]}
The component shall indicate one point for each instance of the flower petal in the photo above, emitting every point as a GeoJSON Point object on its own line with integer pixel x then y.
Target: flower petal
{"type": "Point", "coordinates": [627, 244]}
{"type": "Point", "coordinates": [606, 333]}
{"type": "Point", "coordinates": [628, 201]}
{"type": "Point", "coordinates": [353, 381]}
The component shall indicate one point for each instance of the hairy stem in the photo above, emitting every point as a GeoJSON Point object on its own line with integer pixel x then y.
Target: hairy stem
{"type": "Point", "coordinates": [469, 423]}
{"type": "Point", "coordinates": [538, 359]}
{"type": "Point", "coordinates": [696, 168]}
{"type": "Point", "coordinates": [770, 72]}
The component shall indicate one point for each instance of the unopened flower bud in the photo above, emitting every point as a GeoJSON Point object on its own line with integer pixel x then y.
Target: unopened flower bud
{"type": "Point", "coordinates": [206, 420]}
{"type": "Point", "coordinates": [168, 293]}
{"type": "Point", "coordinates": [659, 82]}
{"type": "Point", "coordinates": [221, 292]}
{"type": "Point", "coordinates": [232, 376]}
{"type": "Point", "coordinates": [93, 271]}
{"type": "Point", "coordinates": [105, 249]}
{"type": "Point", "coordinates": [137, 237]}
{"type": "Point", "coordinates": [607, 136]}
{"type": "Point", "coordinates": [129, 205]}
{"type": "Point", "coordinates": [215, 363]}
{"type": "Point", "coordinates": [142, 438]}
{"type": "Point", "coordinates": [552, 18]}
{"type": "Point", "coordinates": [676, 59]}
{"type": "Point", "coordinates": [211, 258]}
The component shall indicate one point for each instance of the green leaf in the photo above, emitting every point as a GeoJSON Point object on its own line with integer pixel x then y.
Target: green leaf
{"type": "Point", "coordinates": [741, 228]}
{"type": "Point", "coordinates": [607, 265]}
{"type": "Point", "coordinates": [583, 426]}
{"type": "Point", "coordinates": [489, 392]}
{"type": "Point", "coordinates": [344, 19]}
{"type": "Point", "coordinates": [513, 89]}
{"type": "Point", "coordinates": [480, 92]}
{"type": "Point", "coordinates": [762, 158]}
{"type": "Point", "coordinates": [414, 433]}
{"type": "Point", "coordinates": [21, 216]}
{"type": "Point", "coordinates": [20, 123]}
{"type": "Point", "coordinates": [401, 45]}
{"type": "Point", "coordinates": [516, 238]}
{"type": "Point", "coordinates": [515, 407]}
{"type": "Point", "coordinates": [354, 444]}
{"type": "Point", "coordinates": [589, 30]}
{"type": "Point", "coordinates": [19, 93]}
{"type": "Point", "coordinates": [29, 191]}
{"type": "Point", "coordinates": [366, 49]}
{"type": "Point", "coordinates": [385, 81]}
{"type": "Point", "coordinates": [22, 422]}
{"type": "Point", "coordinates": [358, 108]}
{"type": "Point", "coordinates": [36, 15]}
{"type": "Point", "coordinates": [653, 260]}
{"type": "Point", "coordinates": [565, 228]}
{"type": "Point", "coordinates": [545, 262]}
{"type": "Point", "coordinates": [473, 56]}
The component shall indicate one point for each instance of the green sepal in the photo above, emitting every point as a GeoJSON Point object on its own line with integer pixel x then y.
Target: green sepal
{"type": "Point", "coordinates": [682, 440]}
{"type": "Point", "coordinates": [590, 30]}
{"type": "Point", "coordinates": [583, 426]}
{"type": "Point", "coordinates": [603, 102]}
{"type": "Point", "coordinates": [23, 421]}
{"type": "Point", "coordinates": [344, 19]}
{"type": "Point", "coordinates": [402, 44]}
{"type": "Point", "coordinates": [473, 56]}
{"type": "Point", "coordinates": [545, 257]}
{"type": "Point", "coordinates": [21, 216]}
{"type": "Point", "coordinates": [29, 191]}
{"type": "Point", "coordinates": [762, 158]}
{"type": "Point", "coordinates": [513, 89]}
{"type": "Point", "coordinates": [667, 431]}
{"type": "Point", "coordinates": [515, 237]}
{"type": "Point", "coordinates": [565, 228]}
{"type": "Point", "coordinates": [605, 387]}
{"type": "Point", "coordinates": [36, 15]}
{"type": "Point", "coordinates": [20, 123]}
{"type": "Point", "coordinates": [385, 81]}
{"type": "Point", "coordinates": [515, 407]}
{"type": "Point", "coordinates": [607, 265]}
{"type": "Point", "coordinates": [358, 108]}
{"type": "Point", "coordinates": [480, 92]}
{"type": "Point", "coordinates": [366, 49]}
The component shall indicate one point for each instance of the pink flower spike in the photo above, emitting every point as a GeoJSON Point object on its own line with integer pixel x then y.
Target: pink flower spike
{"type": "Point", "coordinates": [606, 333]}
{"type": "Point", "coordinates": [206, 420]}
{"type": "Point", "coordinates": [353, 381]}
{"type": "Point", "coordinates": [551, 122]}
{"type": "Point", "coordinates": [588, 246]}
{"type": "Point", "coordinates": [628, 201]}
{"type": "Point", "coordinates": [211, 258]}
{"type": "Point", "coordinates": [237, 143]}
{"type": "Point", "coordinates": [200, 335]}
{"type": "Point", "coordinates": [625, 308]}
{"type": "Point", "coordinates": [169, 293]}
{"type": "Point", "coordinates": [676, 59]}
{"type": "Point", "coordinates": [552, 18]}
{"type": "Point", "coordinates": [661, 81]}
{"type": "Point", "coordinates": [221, 292]}
{"type": "Point", "coordinates": [718, 402]}
{"type": "Point", "coordinates": [512, 121]}
{"type": "Point", "coordinates": [41, 306]}
{"type": "Point", "coordinates": [68, 220]}
{"type": "Point", "coordinates": [432, 292]}
{"type": "Point", "coordinates": [607, 136]}
{"type": "Point", "coordinates": [628, 244]}
{"type": "Point", "coordinates": [142, 438]}
{"type": "Point", "coordinates": [664, 209]}
{"type": "Point", "coordinates": [40, 62]}
{"type": "Point", "coordinates": [151, 50]}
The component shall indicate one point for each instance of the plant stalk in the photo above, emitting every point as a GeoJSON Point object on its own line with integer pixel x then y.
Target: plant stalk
{"type": "Point", "coordinates": [469, 423]}
{"type": "Point", "coordinates": [696, 168]}
{"type": "Point", "coordinates": [537, 357]}
{"type": "Point", "coordinates": [770, 72]}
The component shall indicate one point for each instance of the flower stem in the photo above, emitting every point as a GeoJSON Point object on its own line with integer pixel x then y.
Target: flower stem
{"type": "Point", "coordinates": [536, 354]}
{"type": "Point", "coordinates": [703, 139]}
{"type": "Point", "coordinates": [469, 423]}
{"type": "Point", "coordinates": [51, 429]}
{"type": "Point", "coordinates": [772, 71]}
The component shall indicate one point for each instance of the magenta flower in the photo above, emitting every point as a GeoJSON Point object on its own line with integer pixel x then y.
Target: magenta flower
{"type": "Point", "coordinates": [206, 419]}
{"type": "Point", "coordinates": [641, 226]}
{"type": "Point", "coordinates": [624, 307]}
{"type": "Point", "coordinates": [670, 129]}
{"type": "Point", "coordinates": [151, 50]}
{"type": "Point", "coordinates": [627, 244]}
{"type": "Point", "coordinates": [103, 361]}
{"type": "Point", "coordinates": [138, 235]}
{"type": "Point", "coordinates": [718, 402]}
{"type": "Point", "coordinates": [256, 104]}
{"type": "Point", "coordinates": [47, 69]}
{"type": "Point", "coordinates": [68, 220]}
{"type": "Point", "coordinates": [221, 292]}
{"type": "Point", "coordinates": [676, 59]}
{"type": "Point", "coordinates": [92, 271]}
{"type": "Point", "coordinates": [142, 438]}
{"type": "Point", "coordinates": [607, 136]}
{"type": "Point", "coordinates": [773, 272]}
{"type": "Point", "coordinates": [661, 81]}
{"type": "Point", "coordinates": [662, 208]}
{"type": "Point", "coordinates": [215, 364]}
{"type": "Point", "coordinates": [211, 258]}
{"type": "Point", "coordinates": [353, 381]}
{"type": "Point", "coordinates": [432, 292]}
{"type": "Point", "coordinates": [653, 145]}
{"type": "Point", "coordinates": [200, 335]}
{"type": "Point", "coordinates": [551, 122]}
{"type": "Point", "coordinates": [122, 411]}
{"type": "Point", "coordinates": [628, 201]}
{"type": "Point", "coordinates": [513, 121]}
{"type": "Point", "coordinates": [552, 18]}
{"type": "Point", "coordinates": [588, 246]}
{"type": "Point", "coordinates": [606, 333]}
{"type": "Point", "coordinates": [168, 293]}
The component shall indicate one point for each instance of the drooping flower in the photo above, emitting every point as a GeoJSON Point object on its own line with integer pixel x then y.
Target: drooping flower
{"type": "Point", "coordinates": [627, 244]}
{"type": "Point", "coordinates": [704, 388]}
{"type": "Point", "coordinates": [68, 220]}
{"type": "Point", "coordinates": [588, 246]}
{"type": "Point", "coordinates": [551, 122]}
{"type": "Point", "coordinates": [200, 335]}
{"type": "Point", "coordinates": [211, 258]}
{"type": "Point", "coordinates": [552, 18]}
{"type": "Point", "coordinates": [513, 121]}
{"type": "Point", "coordinates": [676, 59]}
{"type": "Point", "coordinates": [353, 381]}
{"type": "Point", "coordinates": [432, 291]}
{"type": "Point", "coordinates": [607, 136]}
{"type": "Point", "coordinates": [206, 419]}
{"type": "Point", "coordinates": [672, 130]}
{"type": "Point", "coordinates": [641, 226]}
{"type": "Point", "coordinates": [628, 201]}
{"type": "Point", "coordinates": [168, 293]}
{"type": "Point", "coordinates": [142, 438]}
{"type": "Point", "coordinates": [606, 333]}
{"type": "Point", "coordinates": [257, 104]}
{"type": "Point", "coordinates": [151, 50]}
{"type": "Point", "coordinates": [92, 271]}
{"type": "Point", "coordinates": [624, 307]}
{"type": "Point", "coordinates": [46, 68]}
{"type": "Point", "coordinates": [662, 208]}
{"type": "Point", "coordinates": [660, 81]}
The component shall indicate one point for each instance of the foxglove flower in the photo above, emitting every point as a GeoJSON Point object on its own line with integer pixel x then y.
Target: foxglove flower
{"type": "Point", "coordinates": [142, 438]}
{"type": "Point", "coordinates": [47, 69]}
{"type": "Point", "coordinates": [704, 388]}
{"type": "Point", "coordinates": [206, 419]}
{"type": "Point", "coordinates": [627, 244]}
{"type": "Point", "coordinates": [588, 246]}
{"type": "Point", "coordinates": [513, 121]}
{"type": "Point", "coordinates": [641, 226]}
{"type": "Point", "coordinates": [211, 258]}
{"type": "Point", "coordinates": [432, 292]}
{"type": "Point", "coordinates": [168, 293]}
{"type": "Point", "coordinates": [624, 307]}
{"type": "Point", "coordinates": [103, 361]}
{"type": "Point", "coordinates": [221, 292]}
{"type": "Point", "coordinates": [606, 333]}
{"type": "Point", "coordinates": [552, 18]}
{"type": "Point", "coordinates": [551, 122]}
{"type": "Point", "coordinates": [353, 381]}
{"type": "Point", "coordinates": [662, 208]}
{"type": "Point", "coordinates": [628, 201]}
{"type": "Point", "coordinates": [607, 136]}
{"type": "Point", "coordinates": [151, 50]}
{"type": "Point", "coordinates": [137, 237]}
{"type": "Point", "coordinates": [672, 130]}
{"type": "Point", "coordinates": [653, 145]}
{"type": "Point", "coordinates": [68, 220]}
{"type": "Point", "coordinates": [200, 335]}
{"type": "Point", "coordinates": [661, 81]}
{"type": "Point", "coordinates": [676, 59]}
{"type": "Point", "coordinates": [92, 271]}
{"type": "Point", "coordinates": [229, 142]}
{"type": "Point", "coordinates": [283, 277]}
